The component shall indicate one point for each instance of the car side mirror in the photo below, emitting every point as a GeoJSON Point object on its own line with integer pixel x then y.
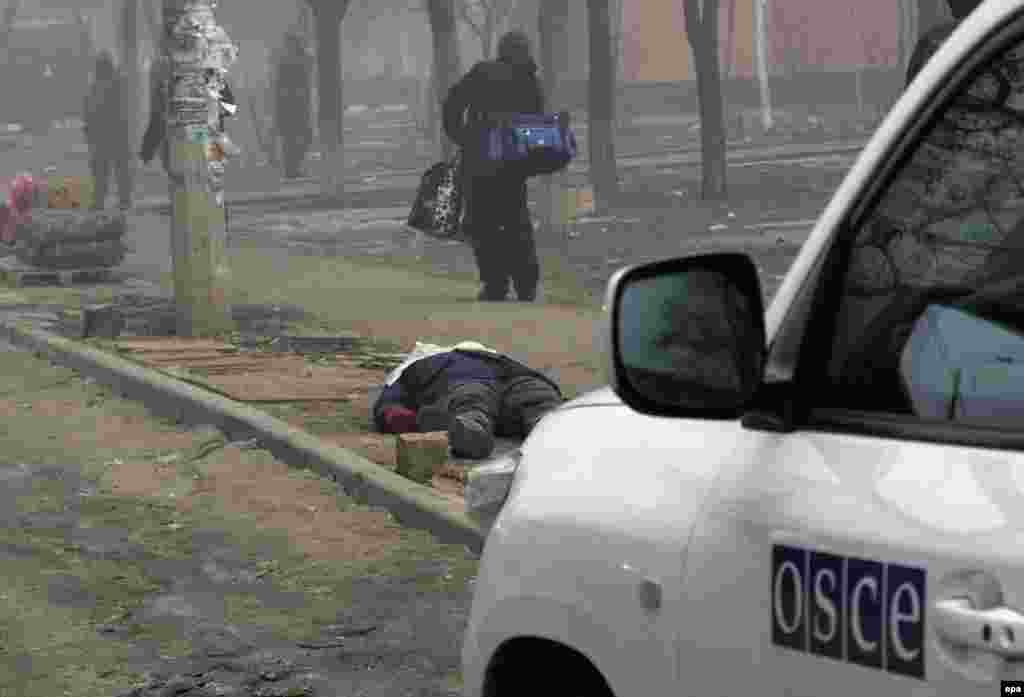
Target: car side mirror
{"type": "Point", "coordinates": [687, 336]}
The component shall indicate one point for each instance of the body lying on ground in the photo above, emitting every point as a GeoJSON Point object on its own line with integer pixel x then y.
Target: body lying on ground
{"type": "Point", "coordinates": [468, 390]}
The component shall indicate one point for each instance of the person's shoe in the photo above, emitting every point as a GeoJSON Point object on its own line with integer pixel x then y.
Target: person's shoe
{"type": "Point", "coordinates": [470, 436]}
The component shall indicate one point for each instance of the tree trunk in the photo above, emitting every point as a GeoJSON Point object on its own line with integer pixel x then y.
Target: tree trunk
{"type": "Point", "coordinates": [930, 13]}
{"type": "Point", "coordinates": [131, 95]}
{"type": "Point", "coordinates": [487, 37]}
{"type": "Point", "coordinates": [601, 88]}
{"type": "Point", "coordinates": [10, 13]}
{"type": "Point", "coordinates": [730, 57]}
{"type": "Point", "coordinates": [329, 14]}
{"type": "Point", "coordinates": [446, 68]}
{"type": "Point", "coordinates": [617, 39]}
{"type": "Point", "coordinates": [553, 30]}
{"type": "Point", "coordinates": [761, 51]}
{"type": "Point", "coordinates": [908, 31]}
{"type": "Point", "coordinates": [702, 32]}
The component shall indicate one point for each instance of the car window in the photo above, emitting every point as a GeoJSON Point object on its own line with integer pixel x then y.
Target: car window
{"type": "Point", "coordinates": [937, 267]}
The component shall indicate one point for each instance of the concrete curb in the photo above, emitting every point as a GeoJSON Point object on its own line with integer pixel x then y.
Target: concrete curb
{"type": "Point", "coordinates": [413, 505]}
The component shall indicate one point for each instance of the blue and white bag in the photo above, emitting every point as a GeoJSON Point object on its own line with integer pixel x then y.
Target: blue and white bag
{"type": "Point", "coordinates": [528, 144]}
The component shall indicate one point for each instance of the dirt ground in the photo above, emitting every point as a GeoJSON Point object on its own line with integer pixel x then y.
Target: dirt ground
{"type": "Point", "coordinates": [140, 556]}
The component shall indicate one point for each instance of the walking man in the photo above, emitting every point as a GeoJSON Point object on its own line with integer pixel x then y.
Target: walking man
{"type": "Point", "coordinates": [497, 220]}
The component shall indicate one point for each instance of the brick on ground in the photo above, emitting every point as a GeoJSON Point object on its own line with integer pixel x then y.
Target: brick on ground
{"type": "Point", "coordinates": [419, 456]}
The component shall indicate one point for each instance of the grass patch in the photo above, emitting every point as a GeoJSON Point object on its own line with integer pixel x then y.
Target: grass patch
{"type": "Point", "coordinates": [373, 282]}
{"type": "Point", "coordinates": [387, 301]}
{"type": "Point", "coordinates": [48, 649]}
{"type": "Point", "coordinates": [333, 417]}
{"type": "Point", "coordinates": [324, 588]}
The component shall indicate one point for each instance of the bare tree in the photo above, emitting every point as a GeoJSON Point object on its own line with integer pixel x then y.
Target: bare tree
{"type": "Point", "coordinates": [908, 31]}
{"type": "Point", "coordinates": [329, 15]}
{"type": "Point", "coordinates": [729, 66]}
{"type": "Point", "coordinates": [485, 18]}
{"type": "Point", "coordinates": [131, 76]}
{"type": "Point", "coordinates": [618, 38]}
{"type": "Point", "coordinates": [930, 13]}
{"type": "Point", "coordinates": [702, 33]}
{"type": "Point", "coordinates": [441, 14]}
{"type": "Point", "coordinates": [553, 31]}
{"type": "Point", "coordinates": [601, 91]}
{"type": "Point", "coordinates": [10, 13]}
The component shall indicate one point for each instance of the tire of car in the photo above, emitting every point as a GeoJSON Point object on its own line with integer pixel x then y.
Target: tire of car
{"type": "Point", "coordinates": [561, 671]}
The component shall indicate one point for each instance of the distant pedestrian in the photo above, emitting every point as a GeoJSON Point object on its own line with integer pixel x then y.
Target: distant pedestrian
{"type": "Point", "coordinates": [932, 39]}
{"type": "Point", "coordinates": [497, 220]}
{"type": "Point", "coordinates": [155, 138]}
{"type": "Point", "coordinates": [107, 134]}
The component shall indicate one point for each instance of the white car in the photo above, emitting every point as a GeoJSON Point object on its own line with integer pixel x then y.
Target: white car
{"type": "Point", "coordinates": [824, 499]}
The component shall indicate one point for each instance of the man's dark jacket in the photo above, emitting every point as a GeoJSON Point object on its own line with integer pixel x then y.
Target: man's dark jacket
{"type": "Point", "coordinates": [429, 380]}
{"type": "Point", "coordinates": [491, 87]}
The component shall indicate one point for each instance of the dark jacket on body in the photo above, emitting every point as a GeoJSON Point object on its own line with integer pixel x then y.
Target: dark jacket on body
{"type": "Point", "coordinates": [430, 380]}
{"type": "Point", "coordinates": [491, 87]}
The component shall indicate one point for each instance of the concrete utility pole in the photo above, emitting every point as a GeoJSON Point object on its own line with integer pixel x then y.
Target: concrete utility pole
{"type": "Point", "coordinates": [198, 53]}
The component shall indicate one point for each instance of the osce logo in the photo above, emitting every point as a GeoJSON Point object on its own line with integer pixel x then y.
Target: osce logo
{"type": "Point", "coordinates": [849, 609]}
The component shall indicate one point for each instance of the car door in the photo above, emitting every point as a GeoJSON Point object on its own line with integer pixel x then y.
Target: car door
{"type": "Point", "coordinates": [871, 543]}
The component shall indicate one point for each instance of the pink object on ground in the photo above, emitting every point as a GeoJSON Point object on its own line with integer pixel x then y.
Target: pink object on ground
{"type": "Point", "coordinates": [19, 205]}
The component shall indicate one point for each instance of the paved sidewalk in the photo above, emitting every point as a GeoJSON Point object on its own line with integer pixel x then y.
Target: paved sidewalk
{"type": "Point", "coordinates": [406, 180]}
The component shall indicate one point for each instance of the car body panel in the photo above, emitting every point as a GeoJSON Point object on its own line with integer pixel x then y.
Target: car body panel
{"type": "Point", "coordinates": [937, 508]}
{"type": "Point", "coordinates": [606, 544]}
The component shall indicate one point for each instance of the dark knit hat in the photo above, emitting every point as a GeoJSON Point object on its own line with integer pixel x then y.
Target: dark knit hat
{"type": "Point", "coordinates": [514, 47]}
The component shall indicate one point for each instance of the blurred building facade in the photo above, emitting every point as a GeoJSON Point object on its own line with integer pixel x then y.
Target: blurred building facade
{"type": "Point", "coordinates": [801, 36]}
